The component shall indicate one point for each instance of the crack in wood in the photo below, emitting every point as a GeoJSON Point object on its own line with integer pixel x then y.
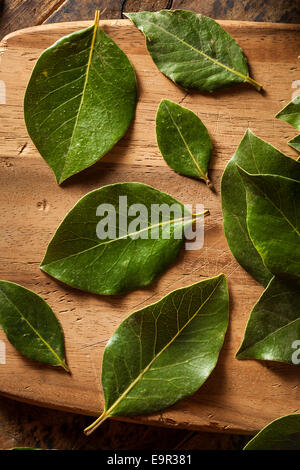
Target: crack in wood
{"type": "Point", "coordinates": [53, 10]}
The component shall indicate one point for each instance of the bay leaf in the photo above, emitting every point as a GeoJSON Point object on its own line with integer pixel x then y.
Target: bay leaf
{"type": "Point", "coordinates": [274, 325]}
{"type": "Point", "coordinates": [128, 259]}
{"type": "Point", "coordinates": [192, 50]}
{"type": "Point", "coordinates": [291, 113]}
{"type": "Point", "coordinates": [281, 434]}
{"type": "Point", "coordinates": [273, 218]}
{"type": "Point", "coordinates": [80, 100]}
{"type": "Point", "coordinates": [27, 448]}
{"type": "Point", "coordinates": [30, 325]}
{"type": "Point", "coordinates": [164, 352]}
{"type": "Point", "coordinates": [183, 140]}
{"type": "Point", "coordinates": [295, 143]}
{"type": "Point", "coordinates": [255, 156]}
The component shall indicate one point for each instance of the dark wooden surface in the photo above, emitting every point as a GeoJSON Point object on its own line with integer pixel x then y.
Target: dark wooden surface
{"type": "Point", "coordinates": [24, 425]}
{"type": "Point", "coordinates": [16, 14]}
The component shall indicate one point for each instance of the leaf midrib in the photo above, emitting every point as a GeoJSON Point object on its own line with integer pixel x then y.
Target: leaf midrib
{"type": "Point", "coordinates": [60, 360]}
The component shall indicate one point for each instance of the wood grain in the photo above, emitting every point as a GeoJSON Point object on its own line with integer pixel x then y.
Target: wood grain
{"type": "Point", "coordinates": [234, 398]}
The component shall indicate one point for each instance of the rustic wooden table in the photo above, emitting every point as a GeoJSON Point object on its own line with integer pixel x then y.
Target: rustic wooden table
{"type": "Point", "coordinates": [24, 425]}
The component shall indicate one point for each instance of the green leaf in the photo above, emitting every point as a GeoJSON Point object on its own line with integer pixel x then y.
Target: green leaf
{"type": "Point", "coordinates": [192, 50]}
{"type": "Point", "coordinates": [273, 218]}
{"type": "Point", "coordinates": [130, 257]}
{"type": "Point", "coordinates": [166, 351]}
{"type": "Point", "coordinates": [30, 325]}
{"type": "Point", "coordinates": [183, 140]}
{"type": "Point", "coordinates": [80, 100]}
{"type": "Point", "coordinates": [281, 434]}
{"type": "Point", "coordinates": [291, 113]}
{"type": "Point", "coordinates": [254, 156]}
{"type": "Point", "coordinates": [274, 324]}
{"type": "Point", "coordinates": [295, 143]}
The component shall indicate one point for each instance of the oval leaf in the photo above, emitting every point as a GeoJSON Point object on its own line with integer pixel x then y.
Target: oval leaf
{"type": "Point", "coordinates": [255, 156]}
{"type": "Point", "coordinates": [273, 218]}
{"type": "Point", "coordinates": [30, 325]}
{"type": "Point", "coordinates": [80, 100]}
{"type": "Point", "coordinates": [183, 140]}
{"type": "Point", "coordinates": [165, 351]}
{"type": "Point", "coordinates": [291, 113]}
{"type": "Point", "coordinates": [192, 50]}
{"type": "Point", "coordinates": [136, 249]}
{"type": "Point", "coordinates": [273, 329]}
{"type": "Point", "coordinates": [281, 434]}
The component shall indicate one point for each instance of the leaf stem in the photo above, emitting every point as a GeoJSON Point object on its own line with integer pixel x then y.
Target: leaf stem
{"type": "Point", "coordinates": [92, 427]}
{"type": "Point", "coordinates": [107, 413]}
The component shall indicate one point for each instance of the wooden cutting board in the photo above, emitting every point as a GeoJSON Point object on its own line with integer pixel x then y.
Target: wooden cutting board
{"type": "Point", "coordinates": [239, 396]}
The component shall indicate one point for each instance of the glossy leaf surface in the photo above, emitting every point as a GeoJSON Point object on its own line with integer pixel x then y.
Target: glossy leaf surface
{"type": "Point", "coordinates": [291, 113]}
{"type": "Point", "coordinates": [295, 143]}
{"type": "Point", "coordinates": [192, 50]}
{"type": "Point", "coordinates": [281, 434]}
{"type": "Point", "coordinates": [273, 220]}
{"type": "Point", "coordinates": [130, 257]}
{"type": "Point", "coordinates": [255, 156]}
{"type": "Point", "coordinates": [183, 140]}
{"type": "Point", "coordinates": [165, 351]}
{"type": "Point", "coordinates": [30, 325]}
{"type": "Point", "coordinates": [80, 100]}
{"type": "Point", "coordinates": [273, 330]}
